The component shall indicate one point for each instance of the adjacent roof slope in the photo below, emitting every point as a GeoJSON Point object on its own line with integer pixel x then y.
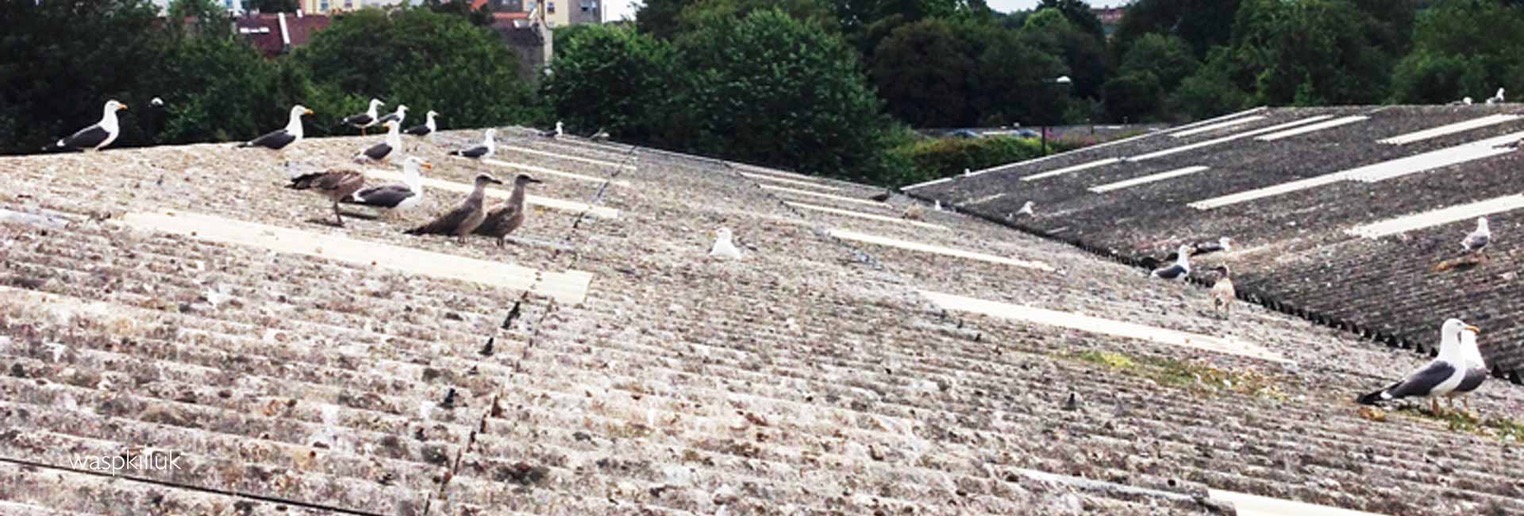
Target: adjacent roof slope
{"type": "Point", "coordinates": [1343, 224]}
{"type": "Point", "coordinates": [840, 367]}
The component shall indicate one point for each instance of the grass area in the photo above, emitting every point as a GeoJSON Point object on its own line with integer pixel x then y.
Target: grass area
{"type": "Point", "coordinates": [1186, 374]}
{"type": "Point", "coordinates": [1499, 427]}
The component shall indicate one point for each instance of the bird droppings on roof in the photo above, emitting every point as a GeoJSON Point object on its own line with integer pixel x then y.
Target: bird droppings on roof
{"type": "Point", "coordinates": [810, 376]}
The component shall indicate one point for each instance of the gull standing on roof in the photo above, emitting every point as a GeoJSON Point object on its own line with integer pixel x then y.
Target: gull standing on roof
{"type": "Point", "coordinates": [557, 133]}
{"type": "Point", "coordinates": [1478, 240]}
{"type": "Point", "coordinates": [1222, 244]}
{"type": "Point", "coordinates": [599, 136]}
{"type": "Point", "coordinates": [485, 150]}
{"type": "Point", "coordinates": [396, 116]}
{"type": "Point", "coordinates": [334, 183]}
{"type": "Point", "coordinates": [1476, 369]}
{"type": "Point", "coordinates": [1222, 291]}
{"type": "Point", "coordinates": [1027, 209]}
{"type": "Point", "coordinates": [509, 216]}
{"type": "Point", "coordinates": [395, 197]}
{"type": "Point", "coordinates": [379, 152]}
{"type": "Point", "coordinates": [1179, 270]}
{"type": "Point", "coordinates": [364, 120]}
{"type": "Point", "coordinates": [1496, 99]}
{"type": "Point", "coordinates": [1462, 102]}
{"type": "Point", "coordinates": [97, 136]}
{"type": "Point", "coordinates": [427, 128]}
{"type": "Point", "coordinates": [283, 137]}
{"type": "Point", "coordinates": [466, 216]}
{"type": "Point", "coordinates": [1439, 377]}
{"type": "Point", "coordinates": [723, 246]}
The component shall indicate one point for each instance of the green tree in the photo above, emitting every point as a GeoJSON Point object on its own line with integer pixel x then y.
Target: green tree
{"type": "Point", "coordinates": [1134, 96]}
{"type": "Point", "coordinates": [772, 90]}
{"type": "Point", "coordinates": [616, 79]}
{"type": "Point", "coordinates": [1083, 54]}
{"type": "Point", "coordinates": [1015, 83]}
{"type": "Point", "coordinates": [424, 59]}
{"type": "Point", "coordinates": [1168, 57]}
{"type": "Point", "coordinates": [1203, 24]}
{"type": "Point", "coordinates": [1462, 48]}
{"type": "Point", "coordinates": [924, 71]}
{"type": "Point", "coordinates": [1078, 13]}
{"type": "Point", "coordinates": [1209, 92]}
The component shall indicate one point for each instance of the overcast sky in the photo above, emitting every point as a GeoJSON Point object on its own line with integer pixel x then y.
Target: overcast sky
{"type": "Point", "coordinates": [626, 8]}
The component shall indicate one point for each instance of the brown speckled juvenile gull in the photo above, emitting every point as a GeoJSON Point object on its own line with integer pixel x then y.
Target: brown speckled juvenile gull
{"type": "Point", "coordinates": [508, 216]}
{"type": "Point", "coordinates": [334, 183]}
{"type": "Point", "coordinates": [465, 218]}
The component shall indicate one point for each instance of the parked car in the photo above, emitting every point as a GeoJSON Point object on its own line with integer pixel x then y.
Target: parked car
{"type": "Point", "coordinates": [965, 133]}
{"type": "Point", "coordinates": [1027, 133]}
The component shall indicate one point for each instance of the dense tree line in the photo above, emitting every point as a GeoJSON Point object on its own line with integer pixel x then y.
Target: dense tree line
{"type": "Point", "coordinates": [59, 61]}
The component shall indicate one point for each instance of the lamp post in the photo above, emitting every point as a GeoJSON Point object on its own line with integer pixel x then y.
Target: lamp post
{"type": "Point", "coordinates": [1062, 80]}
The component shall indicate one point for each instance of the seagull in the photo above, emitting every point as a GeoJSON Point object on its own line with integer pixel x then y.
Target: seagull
{"type": "Point", "coordinates": [334, 183]}
{"type": "Point", "coordinates": [364, 120]}
{"type": "Point", "coordinates": [152, 119]}
{"type": "Point", "coordinates": [283, 137]}
{"type": "Point", "coordinates": [559, 132]}
{"type": "Point", "coordinates": [966, 171]}
{"type": "Point", "coordinates": [913, 212]}
{"type": "Point", "coordinates": [882, 196]}
{"type": "Point", "coordinates": [723, 247]}
{"type": "Point", "coordinates": [1462, 102]}
{"type": "Point", "coordinates": [1496, 99]}
{"type": "Point", "coordinates": [1476, 368]}
{"type": "Point", "coordinates": [395, 197]}
{"type": "Point", "coordinates": [466, 216]}
{"type": "Point", "coordinates": [485, 150]}
{"type": "Point", "coordinates": [1222, 291]}
{"type": "Point", "coordinates": [1179, 270]}
{"type": "Point", "coordinates": [1222, 244]}
{"type": "Point", "coordinates": [427, 128]}
{"type": "Point", "coordinates": [95, 137]}
{"type": "Point", "coordinates": [396, 116]}
{"type": "Point", "coordinates": [379, 152]}
{"type": "Point", "coordinates": [1439, 377]}
{"type": "Point", "coordinates": [508, 216]}
{"type": "Point", "coordinates": [1478, 240]}
{"type": "Point", "coordinates": [599, 136]}
{"type": "Point", "coordinates": [1026, 209]}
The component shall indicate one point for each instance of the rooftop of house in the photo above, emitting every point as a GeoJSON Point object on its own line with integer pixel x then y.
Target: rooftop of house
{"type": "Point", "coordinates": [263, 30]}
{"type": "Point", "coordinates": [179, 300]}
{"type": "Point", "coordinates": [1349, 216]}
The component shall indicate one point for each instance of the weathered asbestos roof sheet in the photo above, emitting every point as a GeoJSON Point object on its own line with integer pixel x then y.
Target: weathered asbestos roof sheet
{"type": "Point", "coordinates": [1297, 252]}
{"type": "Point", "coordinates": [813, 376]}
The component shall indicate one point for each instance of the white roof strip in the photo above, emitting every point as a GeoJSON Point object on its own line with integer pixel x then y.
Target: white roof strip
{"type": "Point", "coordinates": [567, 287]}
{"type": "Point", "coordinates": [1214, 120]}
{"type": "Point", "coordinates": [499, 193]}
{"type": "Point", "coordinates": [1148, 179]}
{"type": "Point", "coordinates": [867, 216]}
{"type": "Point", "coordinates": [1254, 505]}
{"type": "Point", "coordinates": [935, 249]}
{"type": "Point", "coordinates": [549, 172]}
{"type": "Point", "coordinates": [1269, 191]}
{"type": "Point", "coordinates": [1216, 126]}
{"type": "Point", "coordinates": [1086, 323]}
{"type": "Point", "coordinates": [765, 177]}
{"type": "Point", "coordinates": [1311, 128]}
{"type": "Point", "coordinates": [1075, 168]}
{"type": "Point", "coordinates": [842, 198]}
{"type": "Point", "coordinates": [1458, 213]}
{"type": "Point", "coordinates": [1435, 132]}
{"type": "Point", "coordinates": [1229, 138]}
{"type": "Point", "coordinates": [1434, 159]}
{"type": "Point", "coordinates": [1375, 172]}
{"type": "Point", "coordinates": [569, 157]}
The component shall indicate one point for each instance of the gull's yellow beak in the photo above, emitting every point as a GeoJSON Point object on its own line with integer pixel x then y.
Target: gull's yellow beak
{"type": "Point", "coordinates": [308, 111]}
{"type": "Point", "coordinates": [120, 107]}
{"type": "Point", "coordinates": [427, 166]}
{"type": "Point", "coordinates": [1473, 329]}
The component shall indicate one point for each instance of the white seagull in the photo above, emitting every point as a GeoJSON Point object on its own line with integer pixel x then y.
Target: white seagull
{"type": "Point", "coordinates": [1179, 270]}
{"type": "Point", "coordinates": [379, 152]}
{"type": "Point", "coordinates": [1496, 99]}
{"type": "Point", "coordinates": [1440, 377]}
{"type": "Point", "coordinates": [485, 150]}
{"type": "Point", "coordinates": [396, 197]}
{"type": "Point", "coordinates": [364, 120]}
{"type": "Point", "coordinates": [427, 128]}
{"type": "Point", "coordinates": [723, 247]}
{"type": "Point", "coordinates": [97, 136]}
{"type": "Point", "coordinates": [283, 137]}
{"type": "Point", "coordinates": [1478, 240]}
{"type": "Point", "coordinates": [1476, 368]}
{"type": "Point", "coordinates": [1222, 244]}
{"type": "Point", "coordinates": [396, 116]}
{"type": "Point", "coordinates": [1026, 209]}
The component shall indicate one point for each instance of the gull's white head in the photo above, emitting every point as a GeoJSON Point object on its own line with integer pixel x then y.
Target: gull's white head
{"type": "Point", "coordinates": [559, 127]}
{"type": "Point", "coordinates": [294, 122]}
{"type": "Point", "coordinates": [156, 102]}
{"type": "Point", "coordinates": [1481, 224]}
{"type": "Point", "coordinates": [722, 234]}
{"type": "Point", "coordinates": [375, 103]}
{"type": "Point", "coordinates": [1027, 207]}
{"type": "Point", "coordinates": [108, 113]}
{"type": "Point", "coordinates": [401, 109]}
{"type": "Point", "coordinates": [1450, 338]}
{"type": "Point", "coordinates": [1466, 101]}
{"type": "Point", "coordinates": [1226, 243]}
{"type": "Point", "coordinates": [1183, 255]}
{"type": "Point", "coordinates": [431, 114]}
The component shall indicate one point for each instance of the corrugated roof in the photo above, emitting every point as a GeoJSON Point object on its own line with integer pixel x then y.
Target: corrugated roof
{"type": "Point", "coordinates": [811, 376]}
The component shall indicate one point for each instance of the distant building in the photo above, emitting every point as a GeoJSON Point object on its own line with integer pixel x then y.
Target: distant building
{"type": "Point", "coordinates": [564, 13]}
{"type": "Point", "coordinates": [1110, 17]}
{"type": "Point", "coordinates": [277, 33]}
{"type": "Point", "coordinates": [324, 6]}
